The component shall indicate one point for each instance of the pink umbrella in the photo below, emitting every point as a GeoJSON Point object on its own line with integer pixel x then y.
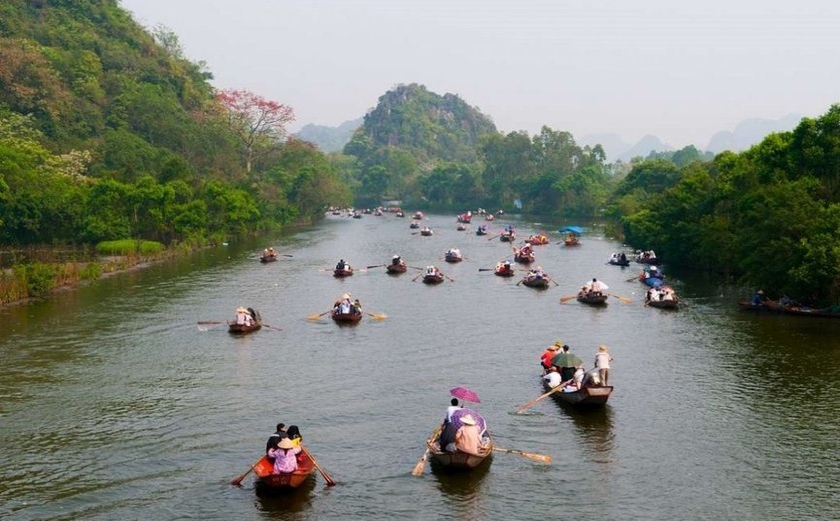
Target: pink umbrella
{"type": "Point", "coordinates": [465, 394]}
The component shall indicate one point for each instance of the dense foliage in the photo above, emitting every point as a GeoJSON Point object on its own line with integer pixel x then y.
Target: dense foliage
{"type": "Point", "coordinates": [769, 216]}
{"type": "Point", "coordinates": [107, 132]}
{"type": "Point", "coordinates": [438, 152]}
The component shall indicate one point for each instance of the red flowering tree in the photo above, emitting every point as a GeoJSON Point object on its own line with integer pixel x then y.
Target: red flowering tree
{"type": "Point", "coordinates": [259, 123]}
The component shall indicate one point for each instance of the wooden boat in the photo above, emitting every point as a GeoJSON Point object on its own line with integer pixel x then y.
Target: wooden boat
{"type": "Point", "coordinates": [357, 215]}
{"type": "Point", "coordinates": [268, 258]}
{"type": "Point", "coordinates": [461, 227]}
{"type": "Point", "coordinates": [396, 269]}
{"type": "Point", "coordinates": [400, 214]}
{"type": "Point", "coordinates": [482, 230]}
{"type": "Point", "coordinates": [453, 256]}
{"type": "Point", "coordinates": [341, 273]}
{"type": "Point", "coordinates": [523, 258]}
{"type": "Point", "coordinates": [507, 236]}
{"type": "Point", "coordinates": [242, 329]}
{"type": "Point", "coordinates": [418, 216]}
{"type": "Point", "coordinates": [572, 235]}
{"type": "Point", "coordinates": [426, 232]}
{"type": "Point", "coordinates": [617, 260]}
{"type": "Point", "coordinates": [460, 461]}
{"type": "Point", "coordinates": [435, 278]}
{"type": "Point", "coordinates": [532, 281]}
{"type": "Point", "coordinates": [592, 299]}
{"type": "Point", "coordinates": [539, 239]}
{"type": "Point", "coordinates": [663, 297]}
{"type": "Point", "coordinates": [503, 270]}
{"type": "Point", "coordinates": [586, 398]}
{"type": "Point", "coordinates": [653, 278]}
{"type": "Point", "coordinates": [345, 318]}
{"type": "Point", "coordinates": [414, 225]}
{"type": "Point", "coordinates": [648, 258]}
{"type": "Point", "coordinates": [465, 218]}
{"type": "Point", "coordinates": [488, 217]}
{"type": "Point", "coordinates": [664, 304]}
{"type": "Point", "coordinates": [773, 306]}
{"type": "Point", "coordinates": [269, 483]}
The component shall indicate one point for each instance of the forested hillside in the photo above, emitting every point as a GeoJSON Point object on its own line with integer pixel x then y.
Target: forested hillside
{"type": "Point", "coordinates": [769, 216]}
{"type": "Point", "coordinates": [108, 132]}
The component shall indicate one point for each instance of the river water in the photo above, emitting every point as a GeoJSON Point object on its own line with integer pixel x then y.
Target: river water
{"type": "Point", "coordinates": [115, 404]}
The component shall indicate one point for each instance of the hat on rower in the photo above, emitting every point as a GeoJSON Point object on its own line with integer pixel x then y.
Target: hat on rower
{"type": "Point", "coordinates": [467, 420]}
{"type": "Point", "coordinates": [286, 443]}
{"type": "Point", "coordinates": [558, 343]}
{"type": "Point", "coordinates": [241, 309]}
{"type": "Point", "coordinates": [552, 347]}
{"type": "Point", "coordinates": [346, 296]}
{"type": "Point", "coordinates": [602, 349]}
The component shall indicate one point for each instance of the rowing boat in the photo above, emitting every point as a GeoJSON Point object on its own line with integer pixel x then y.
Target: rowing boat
{"type": "Point", "coordinates": [592, 299]}
{"type": "Point", "coordinates": [586, 398]}
{"type": "Point", "coordinates": [269, 483]}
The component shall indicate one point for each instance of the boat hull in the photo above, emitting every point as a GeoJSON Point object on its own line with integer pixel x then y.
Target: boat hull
{"type": "Point", "coordinates": [586, 398]}
{"type": "Point", "coordinates": [396, 269]}
{"type": "Point", "coordinates": [432, 279]}
{"type": "Point", "coordinates": [346, 318]}
{"type": "Point", "coordinates": [269, 483]}
{"type": "Point", "coordinates": [593, 300]}
{"type": "Point", "coordinates": [340, 274]}
{"type": "Point", "coordinates": [242, 329]}
{"type": "Point", "coordinates": [270, 258]}
{"type": "Point", "coordinates": [536, 283]}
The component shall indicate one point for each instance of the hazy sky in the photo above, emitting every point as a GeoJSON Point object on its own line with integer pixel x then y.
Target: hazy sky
{"type": "Point", "coordinates": [678, 69]}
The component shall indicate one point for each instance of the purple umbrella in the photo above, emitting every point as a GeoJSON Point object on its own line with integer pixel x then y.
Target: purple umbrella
{"type": "Point", "coordinates": [462, 393]}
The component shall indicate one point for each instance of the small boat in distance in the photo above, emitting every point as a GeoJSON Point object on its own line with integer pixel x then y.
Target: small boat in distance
{"type": "Point", "coordinates": [247, 321]}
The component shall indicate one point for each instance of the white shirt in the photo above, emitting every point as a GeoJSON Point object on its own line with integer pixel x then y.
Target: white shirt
{"type": "Point", "coordinates": [553, 378]}
{"type": "Point", "coordinates": [602, 360]}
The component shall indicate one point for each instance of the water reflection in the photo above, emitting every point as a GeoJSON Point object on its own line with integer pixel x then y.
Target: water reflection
{"type": "Point", "coordinates": [278, 504]}
{"type": "Point", "coordinates": [463, 491]}
{"type": "Point", "coordinates": [595, 428]}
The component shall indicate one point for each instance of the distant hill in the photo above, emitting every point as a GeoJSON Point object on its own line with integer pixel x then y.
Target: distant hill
{"type": "Point", "coordinates": [329, 139]}
{"type": "Point", "coordinates": [426, 126]}
{"type": "Point", "coordinates": [746, 134]}
{"type": "Point", "coordinates": [644, 147]}
{"type": "Point", "coordinates": [749, 132]}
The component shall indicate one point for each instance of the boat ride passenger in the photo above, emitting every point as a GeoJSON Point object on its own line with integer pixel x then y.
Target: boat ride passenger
{"type": "Point", "coordinates": [341, 265]}
{"type": "Point", "coordinates": [294, 435]}
{"type": "Point", "coordinates": [243, 317]}
{"type": "Point", "coordinates": [602, 363]}
{"type": "Point", "coordinates": [275, 437]}
{"type": "Point", "coordinates": [285, 456]}
{"type": "Point", "coordinates": [548, 354]}
{"type": "Point", "coordinates": [467, 438]}
{"type": "Point", "coordinates": [759, 299]}
{"type": "Point", "coordinates": [395, 260]}
{"type": "Point", "coordinates": [453, 406]}
{"type": "Point", "coordinates": [356, 307]}
{"type": "Point", "coordinates": [552, 377]}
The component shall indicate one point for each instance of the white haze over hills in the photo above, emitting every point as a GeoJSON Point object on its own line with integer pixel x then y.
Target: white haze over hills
{"type": "Point", "coordinates": [743, 136]}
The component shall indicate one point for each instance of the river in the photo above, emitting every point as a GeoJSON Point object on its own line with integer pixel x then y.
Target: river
{"type": "Point", "coordinates": [115, 404]}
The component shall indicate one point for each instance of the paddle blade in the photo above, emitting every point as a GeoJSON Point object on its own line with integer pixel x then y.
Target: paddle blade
{"type": "Point", "coordinates": [567, 298]}
{"type": "Point", "coordinates": [421, 465]}
{"type": "Point", "coordinates": [316, 316]}
{"type": "Point", "coordinates": [377, 316]}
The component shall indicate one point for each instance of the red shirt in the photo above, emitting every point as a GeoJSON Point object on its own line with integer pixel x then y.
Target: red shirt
{"type": "Point", "coordinates": [546, 357]}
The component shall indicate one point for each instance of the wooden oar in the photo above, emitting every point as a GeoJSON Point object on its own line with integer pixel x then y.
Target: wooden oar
{"type": "Point", "coordinates": [626, 300]}
{"type": "Point", "coordinates": [421, 465]}
{"type": "Point", "coordinates": [238, 479]}
{"type": "Point", "coordinates": [542, 458]}
{"type": "Point", "coordinates": [326, 476]}
{"type": "Point", "coordinates": [567, 298]}
{"type": "Point", "coordinates": [209, 322]}
{"type": "Point", "coordinates": [286, 255]}
{"type": "Point", "coordinates": [416, 277]}
{"type": "Point", "coordinates": [486, 269]}
{"type": "Point", "coordinates": [540, 397]}
{"type": "Point", "coordinates": [316, 316]}
{"type": "Point", "coordinates": [377, 316]}
{"type": "Point", "coordinates": [493, 236]}
{"type": "Point", "coordinates": [270, 327]}
{"type": "Point", "coordinates": [374, 266]}
{"type": "Point", "coordinates": [450, 279]}
{"type": "Point", "coordinates": [553, 281]}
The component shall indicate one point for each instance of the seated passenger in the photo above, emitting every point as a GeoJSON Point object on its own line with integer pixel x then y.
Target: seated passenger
{"type": "Point", "coordinates": [285, 456]}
